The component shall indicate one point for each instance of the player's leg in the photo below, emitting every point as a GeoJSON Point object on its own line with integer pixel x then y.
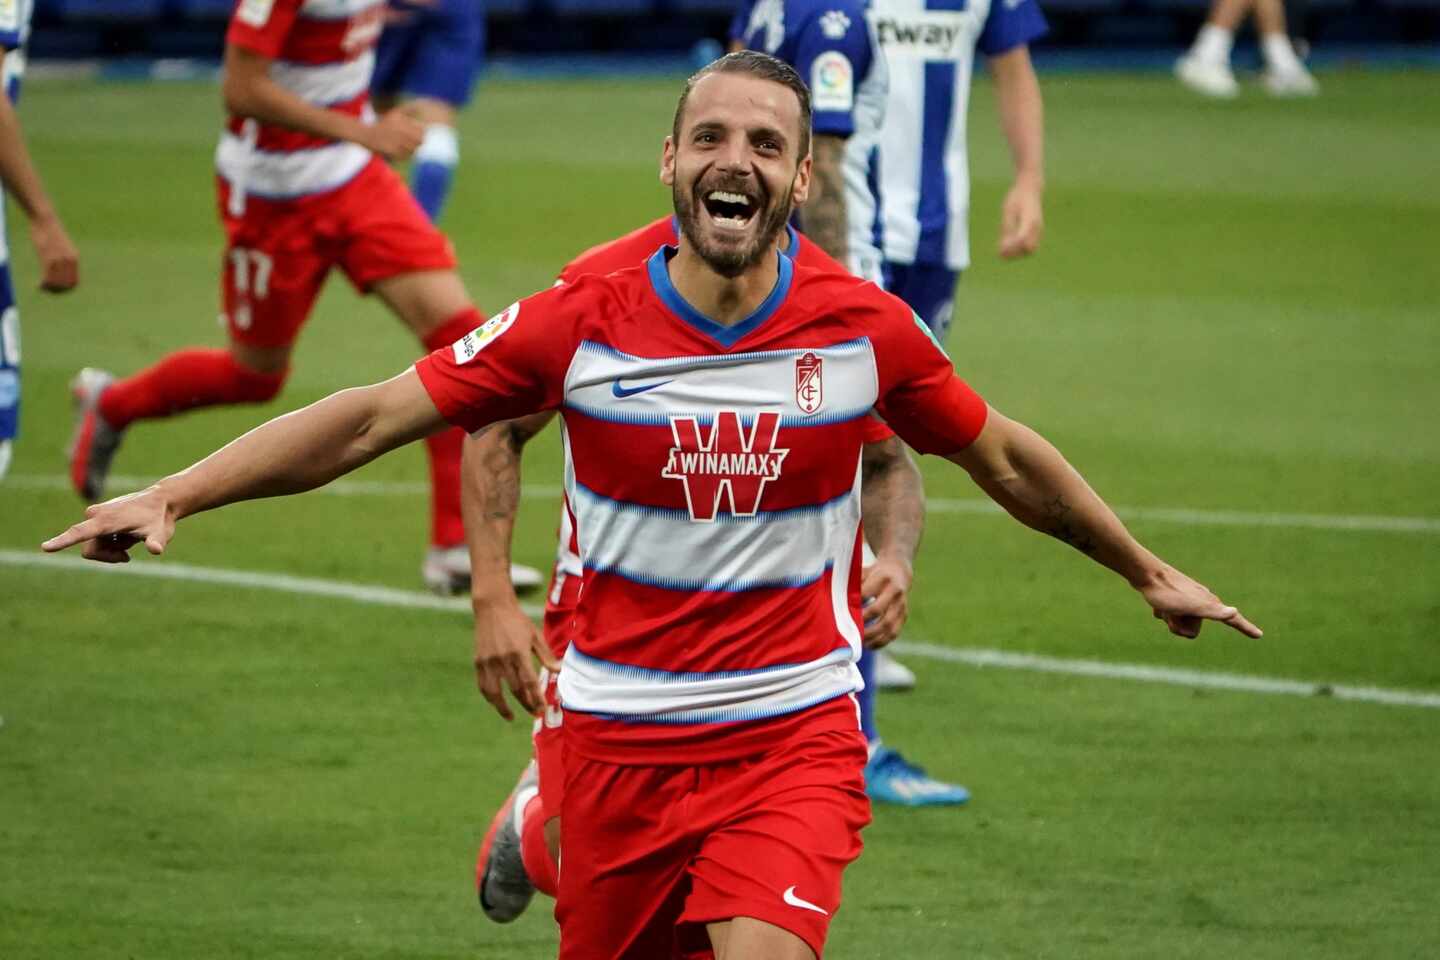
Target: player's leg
{"type": "Point", "coordinates": [627, 833]}
{"type": "Point", "coordinates": [9, 361]}
{"type": "Point", "coordinates": [520, 853]}
{"type": "Point", "coordinates": [270, 277]}
{"type": "Point", "coordinates": [1205, 67]}
{"type": "Point", "coordinates": [436, 85]}
{"type": "Point", "coordinates": [1285, 74]}
{"type": "Point", "coordinates": [890, 778]}
{"type": "Point", "coordinates": [436, 308]}
{"type": "Point", "coordinates": [780, 830]}
{"type": "Point", "coordinates": [746, 938]}
{"type": "Point", "coordinates": [513, 880]}
{"type": "Point", "coordinates": [432, 169]}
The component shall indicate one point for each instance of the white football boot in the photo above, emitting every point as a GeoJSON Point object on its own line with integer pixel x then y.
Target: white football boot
{"type": "Point", "coordinates": [1211, 78]}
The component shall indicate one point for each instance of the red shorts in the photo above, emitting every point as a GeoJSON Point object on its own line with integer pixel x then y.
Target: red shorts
{"type": "Point", "coordinates": [278, 252]}
{"type": "Point", "coordinates": [549, 735]}
{"type": "Point", "coordinates": [650, 854]}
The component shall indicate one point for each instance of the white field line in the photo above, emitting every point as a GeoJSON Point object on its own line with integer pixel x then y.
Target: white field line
{"type": "Point", "coordinates": [284, 583]}
{"type": "Point", "coordinates": [386, 596]}
{"type": "Point", "coordinates": [976, 657]}
{"type": "Point", "coordinates": [1357, 523]}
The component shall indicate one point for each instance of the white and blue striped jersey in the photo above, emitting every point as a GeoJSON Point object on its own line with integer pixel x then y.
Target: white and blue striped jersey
{"type": "Point", "coordinates": [830, 44]}
{"type": "Point", "coordinates": [929, 47]}
{"type": "Point", "coordinates": [14, 36]}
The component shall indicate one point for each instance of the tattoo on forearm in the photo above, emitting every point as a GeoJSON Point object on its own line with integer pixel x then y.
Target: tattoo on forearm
{"type": "Point", "coordinates": [1059, 524]}
{"type": "Point", "coordinates": [502, 493]}
{"type": "Point", "coordinates": [823, 217]}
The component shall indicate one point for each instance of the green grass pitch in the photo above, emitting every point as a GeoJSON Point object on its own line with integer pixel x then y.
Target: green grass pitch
{"type": "Point", "coordinates": [1235, 309]}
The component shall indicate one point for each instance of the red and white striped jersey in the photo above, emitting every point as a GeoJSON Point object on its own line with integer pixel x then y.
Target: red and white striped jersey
{"type": "Point", "coordinates": [622, 253]}
{"type": "Point", "coordinates": [323, 52]}
{"type": "Point", "coordinates": [713, 473]}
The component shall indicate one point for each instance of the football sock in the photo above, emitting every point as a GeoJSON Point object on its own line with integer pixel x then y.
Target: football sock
{"type": "Point", "coordinates": [1213, 44]}
{"type": "Point", "coordinates": [1279, 53]}
{"type": "Point", "coordinates": [540, 866]}
{"type": "Point", "coordinates": [433, 168]}
{"type": "Point", "coordinates": [447, 527]}
{"type": "Point", "coordinates": [183, 381]}
{"type": "Point", "coordinates": [867, 696]}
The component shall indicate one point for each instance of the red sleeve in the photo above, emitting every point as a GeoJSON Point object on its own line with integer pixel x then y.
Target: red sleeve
{"type": "Point", "coordinates": [921, 397]}
{"type": "Point", "coordinates": [876, 431]}
{"type": "Point", "coordinates": [512, 365]}
{"type": "Point", "coordinates": [622, 253]}
{"type": "Point", "coordinates": [261, 26]}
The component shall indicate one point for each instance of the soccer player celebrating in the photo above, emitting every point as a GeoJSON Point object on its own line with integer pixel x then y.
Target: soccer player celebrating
{"type": "Point", "coordinates": [714, 403]}
{"type": "Point", "coordinates": [520, 853]}
{"type": "Point", "coordinates": [59, 263]}
{"type": "Point", "coordinates": [303, 188]}
{"type": "Point", "coordinates": [428, 56]}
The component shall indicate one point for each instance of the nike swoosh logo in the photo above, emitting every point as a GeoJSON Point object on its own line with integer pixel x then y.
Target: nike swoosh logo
{"type": "Point", "coordinates": [794, 901]}
{"type": "Point", "coordinates": [623, 392]}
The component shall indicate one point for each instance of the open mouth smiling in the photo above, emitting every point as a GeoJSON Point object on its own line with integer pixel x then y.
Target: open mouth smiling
{"type": "Point", "coordinates": [730, 210]}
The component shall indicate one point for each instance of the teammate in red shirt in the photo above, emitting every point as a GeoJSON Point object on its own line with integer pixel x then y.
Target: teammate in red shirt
{"type": "Point", "coordinates": [714, 403]}
{"type": "Point", "coordinates": [303, 188]}
{"type": "Point", "coordinates": [520, 852]}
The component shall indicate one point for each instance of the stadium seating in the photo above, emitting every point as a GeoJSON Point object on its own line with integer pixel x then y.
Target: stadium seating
{"type": "Point", "coordinates": [601, 8]}
{"type": "Point", "coordinates": [103, 10]}
{"type": "Point", "coordinates": [202, 9]}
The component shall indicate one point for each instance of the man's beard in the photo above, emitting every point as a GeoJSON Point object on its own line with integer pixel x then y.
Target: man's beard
{"type": "Point", "coordinates": [730, 262]}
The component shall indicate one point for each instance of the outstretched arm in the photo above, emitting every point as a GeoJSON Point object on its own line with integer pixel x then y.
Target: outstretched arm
{"type": "Point", "coordinates": [1022, 117]}
{"type": "Point", "coordinates": [290, 454]}
{"type": "Point", "coordinates": [893, 505]}
{"type": "Point", "coordinates": [489, 496]}
{"type": "Point", "coordinates": [1027, 476]}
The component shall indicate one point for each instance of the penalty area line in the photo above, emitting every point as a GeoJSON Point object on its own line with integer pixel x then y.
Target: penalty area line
{"type": "Point", "coordinates": [970, 656]}
{"type": "Point", "coordinates": [1172, 676]}
{"type": "Point", "coordinates": [252, 579]}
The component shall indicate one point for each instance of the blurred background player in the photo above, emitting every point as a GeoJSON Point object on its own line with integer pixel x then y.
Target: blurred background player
{"type": "Point", "coordinates": [520, 852]}
{"type": "Point", "coordinates": [924, 164]}
{"type": "Point", "coordinates": [833, 48]}
{"type": "Point", "coordinates": [59, 262]}
{"type": "Point", "coordinates": [303, 188]}
{"type": "Point", "coordinates": [1205, 68]}
{"type": "Point", "coordinates": [426, 62]}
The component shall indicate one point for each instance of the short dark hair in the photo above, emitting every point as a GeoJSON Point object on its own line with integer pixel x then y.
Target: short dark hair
{"type": "Point", "coordinates": [756, 64]}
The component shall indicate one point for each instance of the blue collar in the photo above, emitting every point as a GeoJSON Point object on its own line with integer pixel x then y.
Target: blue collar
{"type": "Point", "coordinates": [727, 336]}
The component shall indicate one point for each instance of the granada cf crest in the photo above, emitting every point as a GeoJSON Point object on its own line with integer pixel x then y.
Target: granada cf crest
{"type": "Point", "coordinates": [809, 387]}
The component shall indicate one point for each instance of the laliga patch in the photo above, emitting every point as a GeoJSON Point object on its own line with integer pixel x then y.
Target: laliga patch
{"type": "Point", "coordinates": [809, 387]}
{"type": "Point", "coordinates": [468, 347]}
{"type": "Point", "coordinates": [832, 82]}
{"type": "Point", "coordinates": [255, 13]}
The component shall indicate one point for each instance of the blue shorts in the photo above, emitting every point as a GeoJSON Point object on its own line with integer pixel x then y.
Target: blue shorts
{"type": "Point", "coordinates": [431, 50]}
{"type": "Point", "coordinates": [928, 288]}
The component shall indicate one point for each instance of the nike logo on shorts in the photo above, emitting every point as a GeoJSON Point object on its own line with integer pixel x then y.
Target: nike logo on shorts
{"type": "Point", "coordinates": [794, 901]}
